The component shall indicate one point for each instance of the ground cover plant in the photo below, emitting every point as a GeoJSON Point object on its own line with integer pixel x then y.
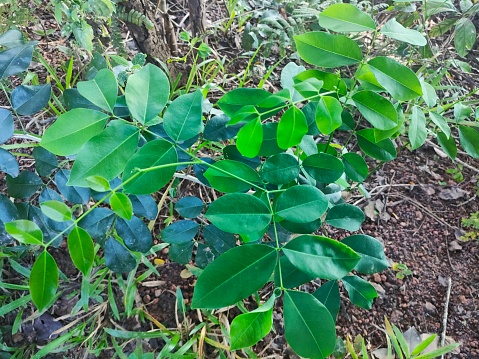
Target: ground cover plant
{"type": "Point", "coordinates": [278, 157]}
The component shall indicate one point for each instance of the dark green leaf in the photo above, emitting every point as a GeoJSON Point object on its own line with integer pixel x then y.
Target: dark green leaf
{"type": "Point", "coordinates": [73, 194]}
{"type": "Point", "coordinates": [321, 257]}
{"type": "Point", "coordinates": [233, 101]}
{"type": "Point", "coordinates": [417, 128]}
{"type": "Point", "coordinates": [105, 154]}
{"type": "Point", "coordinates": [15, 60]}
{"type": "Point", "coordinates": [469, 139]}
{"type": "Point", "coordinates": [249, 138]}
{"type": "Point", "coordinates": [216, 129]}
{"type": "Point", "coordinates": [345, 216]}
{"type": "Point", "coordinates": [180, 232]}
{"type": "Point", "coordinates": [239, 213]}
{"type": "Point", "coordinates": [24, 185]}
{"type": "Point", "coordinates": [291, 276]}
{"type": "Point", "coordinates": [43, 281]}
{"type": "Point", "coordinates": [327, 50]}
{"type": "Point", "coordinates": [301, 228]}
{"type": "Point", "coordinates": [301, 204]}
{"type": "Point", "coordinates": [279, 169]}
{"type": "Point", "coordinates": [328, 294]}
{"type": "Point", "coordinates": [361, 292]}
{"type": "Point", "coordinates": [291, 128]}
{"type": "Point", "coordinates": [382, 150]}
{"type": "Point", "coordinates": [45, 161]}
{"type": "Point", "coordinates": [328, 115]}
{"type": "Point", "coordinates": [144, 206]}
{"type": "Point", "coordinates": [8, 163]}
{"type": "Point", "coordinates": [181, 253]}
{"type": "Point", "coordinates": [121, 205]}
{"type": "Point", "coordinates": [308, 326]}
{"type": "Point", "coordinates": [154, 153]}
{"type": "Point", "coordinates": [373, 259]}
{"type": "Point", "coordinates": [82, 252]}
{"type": "Point", "coordinates": [25, 232]}
{"type": "Point", "coordinates": [345, 18]}
{"type": "Point", "coordinates": [204, 255]}
{"type": "Point", "coordinates": [182, 119]}
{"type": "Point", "coordinates": [323, 167]}
{"type": "Point", "coordinates": [117, 257]}
{"type": "Point", "coordinates": [231, 153]}
{"type": "Point", "coordinates": [269, 146]}
{"type": "Point", "coordinates": [11, 38]}
{"type": "Point", "coordinates": [231, 176]}
{"type": "Point", "coordinates": [376, 109]}
{"type": "Point", "coordinates": [6, 124]}
{"type": "Point", "coordinates": [27, 100]}
{"type": "Point", "coordinates": [8, 213]}
{"type": "Point", "coordinates": [219, 240]}
{"type": "Point", "coordinates": [73, 99]}
{"type": "Point", "coordinates": [447, 144]}
{"type": "Point", "coordinates": [135, 234]}
{"type": "Point", "coordinates": [98, 222]}
{"type": "Point", "coordinates": [355, 167]}
{"type": "Point", "coordinates": [234, 276]}
{"type": "Point", "coordinates": [189, 207]}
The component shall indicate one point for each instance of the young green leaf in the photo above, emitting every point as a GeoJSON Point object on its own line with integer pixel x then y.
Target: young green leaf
{"type": "Point", "coordinates": [355, 167]}
{"type": "Point", "coordinates": [239, 213]}
{"type": "Point", "coordinates": [328, 294]}
{"type": "Point", "coordinates": [396, 31]}
{"type": "Point", "coordinates": [58, 211]}
{"type": "Point", "coordinates": [327, 50]}
{"type": "Point", "coordinates": [301, 204]}
{"type": "Point", "coordinates": [182, 119]}
{"type": "Point", "coordinates": [98, 183]}
{"type": "Point", "coordinates": [417, 128]}
{"type": "Point", "coordinates": [81, 248]}
{"type": "Point", "coordinates": [323, 167]}
{"type": "Point", "coordinates": [105, 155]}
{"type": "Point", "coordinates": [378, 111]}
{"type": "Point", "coordinates": [147, 93]}
{"type": "Point", "coordinates": [121, 205]}
{"type": "Point", "coordinates": [321, 257]}
{"type": "Point", "coordinates": [428, 93]}
{"type": "Point", "coordinates": [328, 115]}
{"type": "Point", "coordinates": [24, 185]}
{"type": "Point", "coordinates": [157, 153]}
{"type": "Point", "coordinates": [102, 91]}
{"type": "Point", "coordinates": [308, 325]}
{"type": "Point", "coordinates": [345, 18]}
{"type": "Point", "coordinates": [250, 138]}
{"type": "Point", "coordinates": [25, 231]}
{"type": "Point", "coordinates": [464, 36]}
{"type": "Point", "coordinates": [396, 78]}
{"type": "Point", "coordinates": [249, 328]}
{"type": "Point", "coordinates": [72, 129]}
{"type": "Point", "coordinates": [381, 150]}
{"type": "Point", "coordinates": [291, 128]}
{"type": "Point", "coordinates": [440, 122]}
{"type": "Point", "coordinates": [361, 292]}
{"type": "Point", "coordinates": [231, 176]}
{"type": "Point", "coordinates": [234, 276]}
{"type": "Point", "coordinates": [43, 281]}
{"type": "Point", "coordinates": [345, 216]}
{"type": "Point", "coordinates": [279, 169]}
{"type": "Point", "coordinates": [469, 139]}
{"type": "Point", "coordinates": [373, 259]}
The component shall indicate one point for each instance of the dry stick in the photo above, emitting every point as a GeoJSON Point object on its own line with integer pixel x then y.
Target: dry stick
{"type": "Point", "coordinates": [456, 159]}
{"type": "Point", "coordinates": [444, 320]}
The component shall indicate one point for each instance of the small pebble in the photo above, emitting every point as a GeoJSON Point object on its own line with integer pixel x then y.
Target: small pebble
{"type": "Point", "coordinates": [431, 308]}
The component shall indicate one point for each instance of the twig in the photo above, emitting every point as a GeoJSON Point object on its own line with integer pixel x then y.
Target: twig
{"type": "Point", "coordinates": [444, 320]}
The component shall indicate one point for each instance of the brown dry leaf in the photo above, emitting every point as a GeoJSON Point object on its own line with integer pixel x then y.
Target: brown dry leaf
{"type": "Point", "coordinates": [370, 211]}
{"type": "Point", "coordinates": [454, 246]}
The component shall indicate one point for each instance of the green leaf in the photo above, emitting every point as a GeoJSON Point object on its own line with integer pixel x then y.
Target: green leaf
{"type": "Point", "coordinates": [102, 91]}
{"type": "Point", "coordinates": [440, 122]}
{"type": "Point", "coordinates": [105, 155]}
{"type": "Point", "coordinates": [24, 185]}
{"type": "Point", "coordinates": [345, 18]}
{"type": "Point", "coordinates": [217, 130]}
{"type": "Point", "coordinates": [189, 207]}
{"type": "Point", "coordinates": [417, 128]}
{"type": "Point", "coordinates": [442, 27]}
{"type": "Point", "coordinates": [43, 281]}
{"type": "Point", "coordinates": [279, 169]}
{"type": "Point", "coordinates": [83, 33]}
{"type": "Point", "coordinates": [439, 351]}
{"type": "Point", "coordinates": [231, 176]}
{"type": "Point", "coordinates": [182, 119]}
{"type": "Point", "coordinates": [269, 146]}
{"type": "Point", "coordinates": [330, 81]}
{"type": "Point", "coordinates": [117, 257]}
{"type": "Point", "coordinates": [58, 211]}
{"type": "Point", "coordinates": [328, 294]}
{"type": "Point", "coordinates": [373, 259]}
{"type": "Point", "coordinates": [291, 276]}
{"type": "Point", "coordinates": [27, 100]}
{"type": "Point", "coordinates": [361, 292]}
{"type": "Point", "coordinates": [327, 50]}
{"type": "Point", "coordinates": [428, 93]}
{"type": "Point", "coordinates": [309, 88]}
{"type": "Point", "coordinates": [233, 101]}
{"type": "Point", "coordinates": [378, 111]}
{"type": "Point", "coordinates": [181, 253]}
{"type": "Point", "coordinates": [6, 124]}
{"type": "Point", "coordinates": [287, 79]}
{"type": "Point", "coordinates": [180, 232]}
{"type": "Point", "coordinates": [135, 234]}
{"type": "Point", "coordinates": [321, 257]}
{"type": "Point", "coordinates": [8, 163]}
{"type": "Point", "coordinates": [461, 111]}
{"type": "Point", "coordinates": [395, 30]}
{"type": "Point", "coordinates": [301, 228]}
{"type": "Point", "coordinates": [121, 205]}
{"type": "Point", "coordinates": [345, 216]}
{"type": "Point", "coordinates": [81, 248]}
{"type": "Point", "coordinates": [355, 167]}
{"type": "Point", "coordinates": [98, 183]}
{"type": "Point", "coordinates": [45, 161]}
{"type": "Point", "coordinates": [469, 139]}
{"type": "Point", "coordinates": [291, 128]}
{"type": "Point", "coordinates": [301, 204]}
{"type": "Point", "coordinates": [308, 325]}
{"type": "Point", "coordinates": [448, 144]}
{"type": "Point", "coordinates": [25, 232]}
{"type": "Point", "coordinates": [328, 115]}
{"type": "Point", "coordinates": [156, 153]}
{"type": "Point", "coordinates": [234, 276]}
{"type": "Point", "coordinates": [396, 78]}
{"type": "Point", "coordinates": [72, 129]}
{"type": "Point", "coordinates": [250, 138]}
{"type": "Point", "coordinates": [323, 167]}
{"type": "Point", "coordinates": [217, 239]}
{"type": "Point", "coordinates": [382, 150]}
{"type": "Point", "coordinates": [249, 328]}
{"type": "Point", "coordinates": [464, 36]}
{"type": "Point", "coordinates": [239, 213]}
{"type": "Point", "coordinates": [15, 60]}
{"type": "Point", "coordinates": [147, 93]}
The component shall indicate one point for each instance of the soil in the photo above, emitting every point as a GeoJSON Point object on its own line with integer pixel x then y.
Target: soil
{"type": "Point", "coordinates": [415, 209]}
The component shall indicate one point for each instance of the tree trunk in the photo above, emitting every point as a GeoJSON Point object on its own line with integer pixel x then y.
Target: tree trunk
{"type": "Point", "coordinates": [197, 16]}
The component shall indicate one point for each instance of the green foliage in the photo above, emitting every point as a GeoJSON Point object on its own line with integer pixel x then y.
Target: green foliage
{"type": "Point", "coordinates": [472, 223]}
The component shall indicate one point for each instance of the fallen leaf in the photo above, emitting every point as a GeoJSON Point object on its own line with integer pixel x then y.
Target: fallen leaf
{"type": "Point", "coordinates": [454, 246]}
{"type": "Point", "coordinates": [370, 211]}
{"type": "Point", "coordinates": [452, 193]}
{"type": "Point", "coordinates": [413, 338]}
